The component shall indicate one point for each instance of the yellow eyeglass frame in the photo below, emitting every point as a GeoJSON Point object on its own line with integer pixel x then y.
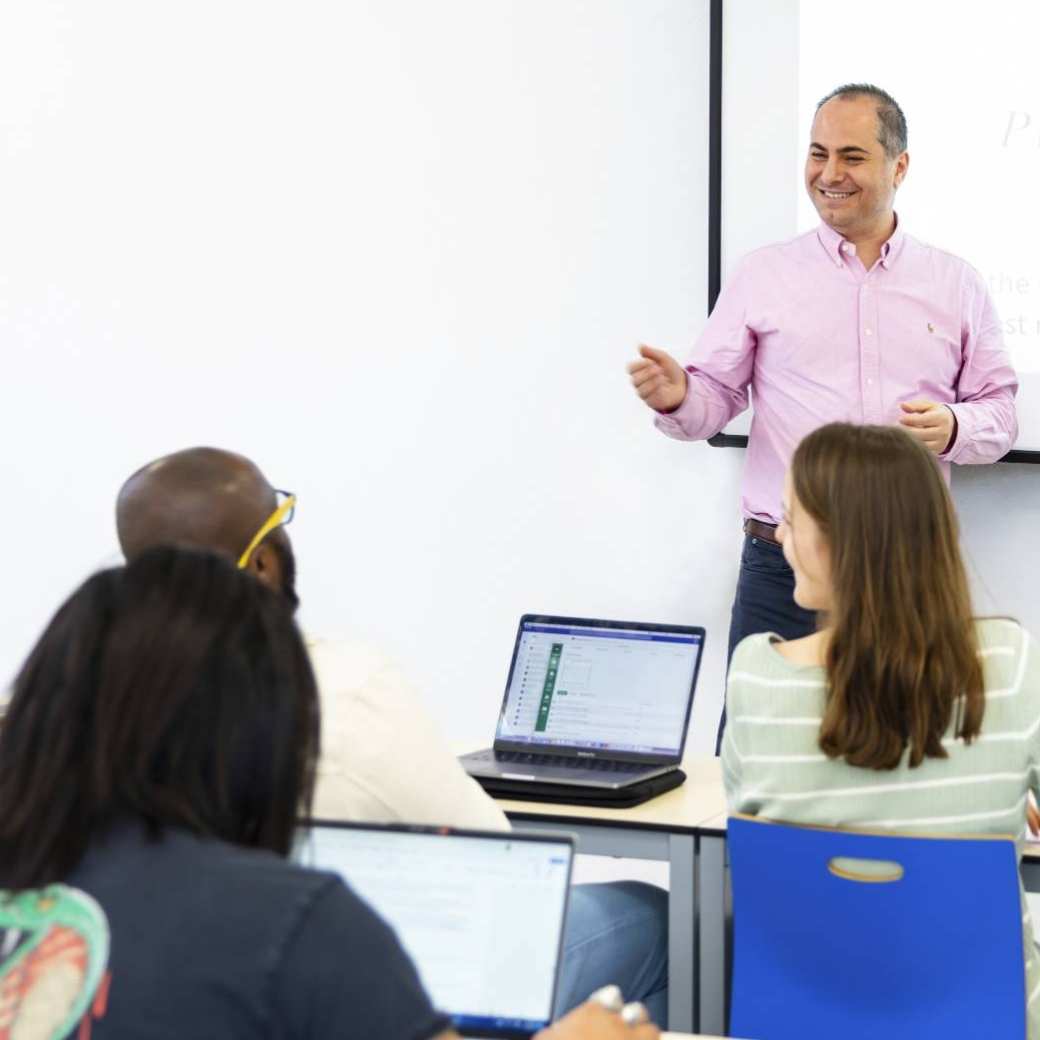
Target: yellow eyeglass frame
{"type": "Point", "coordinates": [276, 519]}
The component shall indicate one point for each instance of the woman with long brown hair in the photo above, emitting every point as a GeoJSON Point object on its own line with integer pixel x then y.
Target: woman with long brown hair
{"type": "Point", "coordinates": [902, 711]}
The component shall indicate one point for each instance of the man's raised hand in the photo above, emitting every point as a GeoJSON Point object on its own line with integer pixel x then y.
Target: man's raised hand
{"type": "Point", "coordinates": [658, 379]}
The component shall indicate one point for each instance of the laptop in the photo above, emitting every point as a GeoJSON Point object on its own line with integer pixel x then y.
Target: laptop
{"type": "Point", "coordinates": [480, 913]}
{"type": "Point", "coordinates": [591, 705]}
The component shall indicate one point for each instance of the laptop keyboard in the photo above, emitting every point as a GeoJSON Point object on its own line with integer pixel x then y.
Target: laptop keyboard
{"type": "Point", "coordinates": [599, 765]}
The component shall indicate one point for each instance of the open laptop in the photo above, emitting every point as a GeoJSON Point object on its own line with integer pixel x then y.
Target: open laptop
{"type": "Point", "coordinates": [591, 704]}
{"type": "Point", "coordinates": [480, 913]}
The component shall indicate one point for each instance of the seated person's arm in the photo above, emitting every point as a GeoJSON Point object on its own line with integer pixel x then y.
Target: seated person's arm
{"type": "Point", "coordinates": [374, 729]}
{"type": "Point", "coordinates": [588, 1022]}
{"type": "Point", "coordinates": [591, 1021]}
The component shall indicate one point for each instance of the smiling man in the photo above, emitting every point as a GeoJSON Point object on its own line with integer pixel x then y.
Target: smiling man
{"type": "Point", "coordinates": [855, 321]}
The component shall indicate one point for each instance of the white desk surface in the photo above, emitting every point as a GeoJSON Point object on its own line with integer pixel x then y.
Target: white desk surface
{"type": "Point", "coordinates": [688, 1036]}
{"type": "Point", "coordinates": [718, 823]}
{"type": "Point", "coordinates": [700, 798]}
{"type": "Point", "coordinates": [700, 804]}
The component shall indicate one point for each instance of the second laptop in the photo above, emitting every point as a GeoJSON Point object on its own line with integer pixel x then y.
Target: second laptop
{"type": "Point", "coordinates": [591, 705]}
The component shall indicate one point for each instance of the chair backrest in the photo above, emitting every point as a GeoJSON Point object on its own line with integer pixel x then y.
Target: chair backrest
{"type": "Point", "coordinates": [932, 948]}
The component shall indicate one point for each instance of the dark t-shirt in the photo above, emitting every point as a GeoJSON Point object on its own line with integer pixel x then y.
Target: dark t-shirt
{"type": "Point", "coordinates": [211, 940]}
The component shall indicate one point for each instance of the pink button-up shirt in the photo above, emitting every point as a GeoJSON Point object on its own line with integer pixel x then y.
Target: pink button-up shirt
{"type": "Point", "coordinates": [820, 339]}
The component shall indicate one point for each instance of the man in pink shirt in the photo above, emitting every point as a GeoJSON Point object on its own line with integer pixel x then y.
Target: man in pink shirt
{"type": "Point", "coordinates": [855, 322]}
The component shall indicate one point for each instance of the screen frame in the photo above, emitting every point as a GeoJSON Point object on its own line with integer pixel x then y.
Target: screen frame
{"type": "Point", "coordinates": [715, 72]}
{"type": "Point", "coordinates": [484, 1029]}
{"type": "Point", "coordinates": [576, 750]}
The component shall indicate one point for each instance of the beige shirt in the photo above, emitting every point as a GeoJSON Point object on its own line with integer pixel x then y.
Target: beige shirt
{"type": "Point", "coordinates": [383, 758]}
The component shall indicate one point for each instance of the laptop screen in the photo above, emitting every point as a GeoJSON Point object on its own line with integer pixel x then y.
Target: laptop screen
{"type": "Point", "coordinates": [480, 915]}
{"type": "Point", "coordinates": [600, 686]}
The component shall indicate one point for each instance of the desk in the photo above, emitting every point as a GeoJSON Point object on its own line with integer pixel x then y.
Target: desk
{"type": "Point", "coordinates": [1031, 868]}
{"type": "Point", "coordinates": [714, 888]}
{"type": "Point", "coordinates": [665, 828]}
{"type": "Point", "coordinates": [689, 1036]}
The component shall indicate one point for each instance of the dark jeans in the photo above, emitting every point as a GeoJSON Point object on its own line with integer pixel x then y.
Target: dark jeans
{"type": "Point", "coordinates": [764, 602]}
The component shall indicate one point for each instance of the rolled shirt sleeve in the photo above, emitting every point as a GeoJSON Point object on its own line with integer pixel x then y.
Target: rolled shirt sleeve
{"type": "Point", "coordinates": [718, 370]}
{"type": "Point", "coordinates": [987, 422]}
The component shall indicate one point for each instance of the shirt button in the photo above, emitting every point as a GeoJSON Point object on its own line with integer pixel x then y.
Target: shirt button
{"type": "Point", "coordinates": [867, 332]}
{"type": "Point", "coordinates": [870, 382]}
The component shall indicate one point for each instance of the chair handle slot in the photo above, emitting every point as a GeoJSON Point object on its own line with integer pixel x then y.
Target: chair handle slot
{"type": "Point", "coordinates": [867, 871]}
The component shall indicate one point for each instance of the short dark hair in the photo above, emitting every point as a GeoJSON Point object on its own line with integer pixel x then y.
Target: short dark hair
{"type": "Point", "coordinates": [891, 121]}
{"type": "Point", "coordinates": [175, 691]}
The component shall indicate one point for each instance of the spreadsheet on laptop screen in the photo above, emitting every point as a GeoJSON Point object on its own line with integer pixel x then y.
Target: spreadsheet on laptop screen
{"type": "Point", "coordinates": [600, 688]}
{"type": "Point", "coordinates": [480, 917]}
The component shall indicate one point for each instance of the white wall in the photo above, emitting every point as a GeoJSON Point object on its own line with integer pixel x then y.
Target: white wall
{"type": "Point", "coordinates": [399, 253]}
{"type": "Point", "coordinates": [250, 236]}
{"type": "Point", "coordinates": [999, 510]}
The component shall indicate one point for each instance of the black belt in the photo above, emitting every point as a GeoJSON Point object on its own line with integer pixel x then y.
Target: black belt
{"type": "Point", "coordinates": [757, 529]}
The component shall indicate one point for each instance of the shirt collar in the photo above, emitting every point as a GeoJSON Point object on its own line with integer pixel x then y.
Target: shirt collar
{"type": "Point", "coordinates": [838, 247]}
{"type": "Point", "coordinates": [893, 247]}
{"type": "Point", "coordinates": [832, 242]}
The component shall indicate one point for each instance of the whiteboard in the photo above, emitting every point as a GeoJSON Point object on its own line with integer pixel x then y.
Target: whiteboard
{"type": "Point", "coordinates": [974, 145]}
{"type": "Point", "coordinates": [398, 253]}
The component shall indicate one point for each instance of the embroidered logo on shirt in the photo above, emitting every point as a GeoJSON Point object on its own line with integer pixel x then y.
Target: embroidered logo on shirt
{"type": "Point", "coordinates": [931, 327]}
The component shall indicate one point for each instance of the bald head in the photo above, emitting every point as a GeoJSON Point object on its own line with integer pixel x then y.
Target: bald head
{"type": "Point", "coordinates": [202, 497]}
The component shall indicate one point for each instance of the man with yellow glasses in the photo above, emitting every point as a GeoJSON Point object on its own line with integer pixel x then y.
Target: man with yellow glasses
{"type": "Point", "coordinates": [282, 514]}
{"type": "Point", "coordinates": [376, 735]}
{"type": "Point", "coordinates": [216, 500]}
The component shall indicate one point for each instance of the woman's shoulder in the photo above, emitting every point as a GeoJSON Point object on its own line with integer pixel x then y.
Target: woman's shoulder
{"type": "Point", "coordinates": [757, 647]}
{"type": "Point", "coordinates": [1000, 631]}
{"type": "Point", "coordinates": [1002, 641]}
{"type": "Point", "coordinates": [1010, 665]}
{"type": "Point", "coordinates": [751, 657]}
{"type": "Point", "coordinates": [764, 655]}
{"type": "Point", "coordinates": [760, 676]}
{"type": "Point", "coordinates": [129, 850]}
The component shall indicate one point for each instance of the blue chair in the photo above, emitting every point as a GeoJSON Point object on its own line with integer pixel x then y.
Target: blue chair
{"type": "Point", "coordinates": [932, 948]}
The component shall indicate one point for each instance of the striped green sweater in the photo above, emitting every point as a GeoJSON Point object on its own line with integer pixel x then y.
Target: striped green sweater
{"type": "Point", "coordinates": [773, 767]}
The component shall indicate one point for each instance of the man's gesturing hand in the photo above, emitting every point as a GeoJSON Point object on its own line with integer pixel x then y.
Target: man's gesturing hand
{"type": "Point", "coordinates": [932, 424]}
{"type": "Point", "coordinates": [659, 379]}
